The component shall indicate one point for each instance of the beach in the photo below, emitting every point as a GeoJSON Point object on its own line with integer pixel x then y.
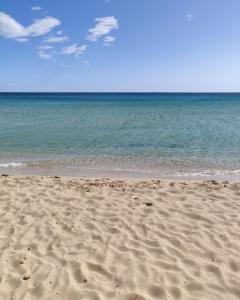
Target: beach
{"type": "Point", "coordinates": [99, 238]}
{"type": "Point", "coordinates": [119, 150]}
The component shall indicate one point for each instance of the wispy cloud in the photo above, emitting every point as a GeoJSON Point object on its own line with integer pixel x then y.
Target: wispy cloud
{"type": "Point", "coordinates": [10, 28]}
{"type": "Point", "coordinates": [57, 39]}
{"type": "Point", "coordinates": [189, 17]}
{"type": "Point", "coordinates": [104, 26]}
{"type": "Point", "coordinates": [45, 47]}
{"type": "Point", "coordinates": [36, 8]}
{"type": "Point", "coordinates": [43, 26]}
{"type": "Point", "coordinates": [22, 40]}
{"type": "Point", "coordinates": [74, 49]}
{"type": "Point", "coordinates": [109, 40]}
{"type": "Point", "coordinates": [42, 54]}
{"type": "Point", "coordinates": [86, 62]}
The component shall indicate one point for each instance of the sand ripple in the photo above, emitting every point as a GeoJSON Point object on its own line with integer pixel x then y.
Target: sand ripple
{"type": "Point", "coordinates": [92, 239]}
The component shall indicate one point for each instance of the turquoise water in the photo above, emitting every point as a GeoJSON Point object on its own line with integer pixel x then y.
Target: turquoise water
{"type": "Point", "coordinates": [172, 135]}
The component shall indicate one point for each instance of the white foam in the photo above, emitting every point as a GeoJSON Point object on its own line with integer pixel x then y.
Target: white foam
{"type": "Point", "coordinates": [209, 173]}
{"type": "Point", "coordinates": [11, 165]}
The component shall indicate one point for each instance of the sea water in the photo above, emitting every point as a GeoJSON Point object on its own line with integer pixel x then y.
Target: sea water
{"type": "Point", "coordinates": [126, 134]}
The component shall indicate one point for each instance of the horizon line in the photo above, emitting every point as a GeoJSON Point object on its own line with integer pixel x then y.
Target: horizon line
{"type": "Point", "coordinates": [132, 92]}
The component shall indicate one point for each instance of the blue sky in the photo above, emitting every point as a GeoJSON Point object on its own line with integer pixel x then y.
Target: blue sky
{"type": "Point", "coordinates": [120, 45]}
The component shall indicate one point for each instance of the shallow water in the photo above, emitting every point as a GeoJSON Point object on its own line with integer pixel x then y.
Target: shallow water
{"type": "Point", "coordinates": [153, 135]}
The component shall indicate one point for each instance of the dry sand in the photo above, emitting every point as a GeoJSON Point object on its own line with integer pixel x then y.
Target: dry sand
{"type": "Point", "coordinates": [73, 238]}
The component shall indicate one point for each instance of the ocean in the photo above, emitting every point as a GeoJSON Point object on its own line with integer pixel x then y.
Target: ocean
{"type": "Point", "coordinates": [155, 135]}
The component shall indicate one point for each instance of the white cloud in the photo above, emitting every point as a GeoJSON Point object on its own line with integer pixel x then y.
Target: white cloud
{"type": "Point", "coordinates": [60, 32]}
{"type": "Point", "coordinates": [104, 26]}
{"type": "Point", "coordinates": [22, 40]}
{"type": "Point", "coordinates": [42, 54]}
{"type": "Point", "coordinates": [74, 49]}
{"type": "Point", "coordinates": [109, 40]}
{"type": "Point", "coordinates": [10, 28]}
{"type": "Point", "coordinates": [45, 47]}
{"type": "Point", "coordinates": [58, 39]}
{"type": "Point", "coordinates": [36, 8]}
{"type": "Point", "coordinates": [189, 17]}
{"type": "Point", "coordinates": [43, 26]}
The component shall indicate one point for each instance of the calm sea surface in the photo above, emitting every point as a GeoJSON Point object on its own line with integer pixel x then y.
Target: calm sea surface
{"type": "Point", "coordinates": [149, 135]}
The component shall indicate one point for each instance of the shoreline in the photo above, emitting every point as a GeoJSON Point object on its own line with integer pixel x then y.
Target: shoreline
{"type": "Point", "coordinates": [219, 175]}
{"type": "Point", "coordinates": [122, 178]}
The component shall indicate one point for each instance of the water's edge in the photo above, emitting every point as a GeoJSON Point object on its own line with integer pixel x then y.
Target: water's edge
{"type": "Point", "coordinates": [157, 135]}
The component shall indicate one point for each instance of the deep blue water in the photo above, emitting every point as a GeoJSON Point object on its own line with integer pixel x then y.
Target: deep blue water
{"type": "Point", "coordinates": [158, 134]}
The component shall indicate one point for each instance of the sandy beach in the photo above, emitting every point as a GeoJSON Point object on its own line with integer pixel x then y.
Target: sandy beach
{"type": "Point", "coordinates": [79, 238]}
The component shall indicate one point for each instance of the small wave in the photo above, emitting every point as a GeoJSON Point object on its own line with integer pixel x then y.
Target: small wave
{"type": "Point", "coordinates": [11, 165]}
{"type": "Point", "coordinates": [209, 173]}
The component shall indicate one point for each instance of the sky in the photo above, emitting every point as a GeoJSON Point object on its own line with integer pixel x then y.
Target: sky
{"type": "Point", "coordinates": [120, 46]}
